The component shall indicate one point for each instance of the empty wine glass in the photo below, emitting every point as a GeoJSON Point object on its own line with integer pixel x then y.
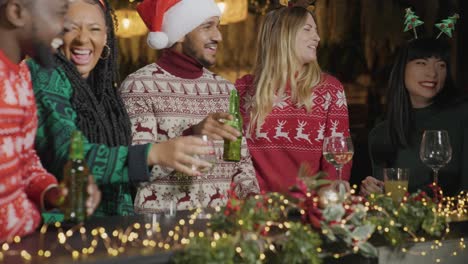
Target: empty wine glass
{"type": "Point", "coordinates": [435, 150]}
{"type": "Point", "coordinates": [338, 150]}
{"type": "Point", "coordinates": [211, 158]}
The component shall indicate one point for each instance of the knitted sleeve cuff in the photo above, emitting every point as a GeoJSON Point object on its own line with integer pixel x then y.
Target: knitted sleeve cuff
{"type": "Point", "coordinates": [138, 170]}
{"type": "Point", "coordinates": [43, 202]}
{"type": "Point", "coordinates": [39, 186]}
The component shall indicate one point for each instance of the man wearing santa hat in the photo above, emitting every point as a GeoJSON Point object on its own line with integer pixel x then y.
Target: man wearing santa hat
{"type": "Point", "coordinates": [176, 96]}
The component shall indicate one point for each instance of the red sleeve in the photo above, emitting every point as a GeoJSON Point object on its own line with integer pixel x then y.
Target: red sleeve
{"type": "Point", "coordinates": [261, 183]}
{"type": "Point", "coordinates": [337, 123]}
{"type": "Point", "coordinates": [243, 86]}
{"type": "Point", "coordinates": [36, 179]}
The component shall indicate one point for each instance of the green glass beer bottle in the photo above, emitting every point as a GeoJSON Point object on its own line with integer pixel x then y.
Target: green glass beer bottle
{"type": "Point", "coordinates": [232, 149]}
{"type": "Point", "coordinates": [75, 178]}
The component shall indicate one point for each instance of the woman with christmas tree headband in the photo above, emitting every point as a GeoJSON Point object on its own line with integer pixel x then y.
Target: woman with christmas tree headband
{"type": "Point", "coordinates": [289, 105]}
{"type": "Point", "coordinates": [421, 96]}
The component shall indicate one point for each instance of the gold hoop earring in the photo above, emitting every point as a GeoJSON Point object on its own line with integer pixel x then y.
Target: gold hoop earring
{"type": "Point", "coordinates": [106, 51]}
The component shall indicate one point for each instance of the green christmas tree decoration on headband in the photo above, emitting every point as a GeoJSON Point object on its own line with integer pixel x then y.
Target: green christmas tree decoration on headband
{"type": "Point", "coordinates": [447, 26]}
{"type": "Point", "coordinates": [412, 21]}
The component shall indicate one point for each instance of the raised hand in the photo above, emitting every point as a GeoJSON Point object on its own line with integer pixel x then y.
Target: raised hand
{"type": "Point", "coordinates": [214, 127]}
{"type": "Point", "coordinates": [180, 154]}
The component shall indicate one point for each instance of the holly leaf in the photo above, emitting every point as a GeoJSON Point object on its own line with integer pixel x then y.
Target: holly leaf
{"type": "Point", "coordinates": [328, 233]}
{"type": "Point", "coordinates": [362, 233]}
{"type": "Point", "coordinates": [367, 249]}
{"type": "Point", "coordinates": [358, 215]}
{"type": "Point", "coordinates": [334, 212]}
{"type": "Point", "coordinates": [342, 232]}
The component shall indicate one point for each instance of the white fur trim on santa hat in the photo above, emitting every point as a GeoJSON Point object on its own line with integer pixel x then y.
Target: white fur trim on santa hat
{"type": "Point", "coordinates": [185, 16]}
{"type": "Point", "coordinates": [157, 40]}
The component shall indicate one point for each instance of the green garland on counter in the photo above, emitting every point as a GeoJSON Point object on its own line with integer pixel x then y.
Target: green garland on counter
{"type": "Point", "coordinates": [313, 223]}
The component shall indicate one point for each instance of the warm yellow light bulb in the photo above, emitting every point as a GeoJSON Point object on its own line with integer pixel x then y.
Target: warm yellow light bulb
{"type": "Point", "coordinates": [126, 23]}
{"type": "Point", "coordinates": [221, 6]}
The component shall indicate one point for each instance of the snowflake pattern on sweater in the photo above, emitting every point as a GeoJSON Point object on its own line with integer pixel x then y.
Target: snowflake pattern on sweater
{"type": "Point", "coordinates": [291, 136]}
{"type": "Point", "coordinates": [163, 106]}
{"type": "Point", "coordinates": [23, 179]}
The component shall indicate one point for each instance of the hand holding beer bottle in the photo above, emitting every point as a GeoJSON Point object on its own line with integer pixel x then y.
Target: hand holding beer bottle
{"type": "Point", "coordinates": [82, 195]}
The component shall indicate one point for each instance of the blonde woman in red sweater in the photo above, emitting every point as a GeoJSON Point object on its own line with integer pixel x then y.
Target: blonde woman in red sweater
{"type": "Point", "coordinates": [289, 105]}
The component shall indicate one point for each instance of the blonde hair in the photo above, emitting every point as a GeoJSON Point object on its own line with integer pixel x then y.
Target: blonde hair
{"type": "Point", "coordinates": [277, 64]}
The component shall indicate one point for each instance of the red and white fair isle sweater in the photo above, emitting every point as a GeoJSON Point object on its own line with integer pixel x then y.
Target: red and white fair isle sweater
{"type": "Point", "coordinates": [23, 180]}
{"type": "Point", "coordinates": [290, 136]}
{"type": "Point", "coordinates": [164, 100]}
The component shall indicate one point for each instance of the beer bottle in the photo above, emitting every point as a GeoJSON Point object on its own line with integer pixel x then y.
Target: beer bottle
{"type": "Point", "coordinates": [232, 149]}
{"type": "Point", "coordinates": [76, 180]}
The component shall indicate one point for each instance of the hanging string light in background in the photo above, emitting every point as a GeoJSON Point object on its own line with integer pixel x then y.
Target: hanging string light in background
{"type": "Point", "coordinates": [221, 6]}
{"type": "Point", "coordinates": [129, 24]}
{"type": "Point", "coordinates": [233, 11]}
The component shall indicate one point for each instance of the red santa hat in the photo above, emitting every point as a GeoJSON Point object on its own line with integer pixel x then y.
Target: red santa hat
{"type": "Point", "coordinates": [170, 20]}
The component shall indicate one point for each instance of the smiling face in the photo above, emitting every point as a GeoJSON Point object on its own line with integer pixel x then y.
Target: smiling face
{"type": "Point", "coordinates": [202, 42]}
{"type": "Point", "coordinates": [424, 79]}
{"type": "Point", "coordinates": [307, 40]}
{"type": "Point", "coordinates": [85, 35]}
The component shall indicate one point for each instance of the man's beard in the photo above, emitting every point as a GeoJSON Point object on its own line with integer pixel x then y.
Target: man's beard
{"type": "Point", "coordinates": [41, 52]}
{"type": "Point", "coordinates": [43, 55]}
{"type": "Point", "coordinates": [189, 50]}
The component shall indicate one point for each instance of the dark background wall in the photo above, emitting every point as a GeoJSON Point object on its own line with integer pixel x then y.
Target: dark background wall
{"type": "Point", "coordinates": [359, 39]}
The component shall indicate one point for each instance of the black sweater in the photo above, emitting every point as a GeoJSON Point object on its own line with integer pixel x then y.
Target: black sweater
{"type": "Point", "coordinates": [454, 176]}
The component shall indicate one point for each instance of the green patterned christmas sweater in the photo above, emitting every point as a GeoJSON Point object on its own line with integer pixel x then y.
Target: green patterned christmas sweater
{"type": "Point", "coordinates": [115, 169]}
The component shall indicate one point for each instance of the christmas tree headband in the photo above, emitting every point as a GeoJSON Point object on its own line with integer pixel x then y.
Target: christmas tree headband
{"type": "Point", "coordinates": [446, 26]}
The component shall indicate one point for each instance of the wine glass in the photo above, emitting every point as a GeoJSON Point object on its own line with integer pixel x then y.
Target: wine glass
{"type": "Point", "coordinates": [338, 150]}
{"type": "Point", "coordinates": [435, 151]}
{"type": "Point", "coordinates": [211, 158]}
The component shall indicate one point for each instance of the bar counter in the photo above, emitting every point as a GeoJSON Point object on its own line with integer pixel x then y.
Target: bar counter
{"type": "Point", "coordinates": [134, 254]}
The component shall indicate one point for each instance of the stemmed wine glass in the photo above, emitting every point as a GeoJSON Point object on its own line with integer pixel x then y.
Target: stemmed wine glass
{"type": "Point", "coordinates": [338, 150]}
{"type": "Point", "coordinates": [211, 158]}
{"type": "Point", "coordinates": [435, 150]}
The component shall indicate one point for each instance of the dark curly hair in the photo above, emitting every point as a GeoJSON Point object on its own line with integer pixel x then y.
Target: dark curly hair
{"type": "Point", "coordinates": [101, 114]}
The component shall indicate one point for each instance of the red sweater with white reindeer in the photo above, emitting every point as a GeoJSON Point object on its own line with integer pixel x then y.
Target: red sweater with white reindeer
{"type": "Point", "coordinates": [291, 136]}
{"type": "Point", "coordinates": [164, 100]}
{"type": "Point", "coordinates": [22, 177]}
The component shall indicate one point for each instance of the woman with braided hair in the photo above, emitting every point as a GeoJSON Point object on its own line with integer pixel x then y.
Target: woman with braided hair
{"type": "Point", "coordinates": [81, 95]}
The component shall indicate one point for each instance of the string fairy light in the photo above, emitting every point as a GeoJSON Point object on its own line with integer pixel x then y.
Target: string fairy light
{"type": "Point", "coordinates": [149, 236]}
